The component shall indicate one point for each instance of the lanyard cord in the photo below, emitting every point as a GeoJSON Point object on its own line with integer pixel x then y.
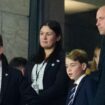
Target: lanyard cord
{"type": "Point", "coordinates": [38, 70]}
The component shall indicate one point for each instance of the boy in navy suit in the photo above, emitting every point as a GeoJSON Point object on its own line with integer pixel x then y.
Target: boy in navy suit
{"type": "Point", "coordinates": [85, 89]}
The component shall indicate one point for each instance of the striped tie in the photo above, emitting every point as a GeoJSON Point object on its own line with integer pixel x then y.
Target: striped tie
{"type": "Point", "coordinates": [71, 95]}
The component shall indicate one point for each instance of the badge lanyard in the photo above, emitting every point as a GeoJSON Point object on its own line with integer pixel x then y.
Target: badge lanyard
{"type": "Point", "coordinates": [38, 70]}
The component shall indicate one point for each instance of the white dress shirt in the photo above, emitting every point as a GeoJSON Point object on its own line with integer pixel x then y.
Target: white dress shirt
{"type": "Point", "coordinates": [77, 82]}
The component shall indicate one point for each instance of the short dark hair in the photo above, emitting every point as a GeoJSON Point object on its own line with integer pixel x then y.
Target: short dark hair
{"type": "Point", "coordinates": [1, 40]}
{"type": "Point", "coordinates": [18, 61]}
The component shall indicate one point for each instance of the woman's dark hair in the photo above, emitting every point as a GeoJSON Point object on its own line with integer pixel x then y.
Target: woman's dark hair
{"type": "Point", "coordinates": [55, 26]}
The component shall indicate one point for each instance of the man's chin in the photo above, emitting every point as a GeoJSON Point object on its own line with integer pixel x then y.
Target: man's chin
{"type": "Point", "coordinates": [102, 33]}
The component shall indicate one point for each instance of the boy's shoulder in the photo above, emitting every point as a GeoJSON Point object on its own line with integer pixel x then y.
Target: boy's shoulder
{"type": "Point", "coordinates": [90, 81]}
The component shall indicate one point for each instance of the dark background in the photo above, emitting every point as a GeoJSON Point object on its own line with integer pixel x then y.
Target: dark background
{"type": "Point", "coordinates": [81, 32]}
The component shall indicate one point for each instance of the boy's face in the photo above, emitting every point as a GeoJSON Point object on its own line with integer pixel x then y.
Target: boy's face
{"type": "Point", "coordinates": [74, 69]}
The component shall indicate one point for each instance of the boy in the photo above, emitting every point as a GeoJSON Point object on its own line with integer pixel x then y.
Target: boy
{"type": "Point", "coordinates": [84, 92]}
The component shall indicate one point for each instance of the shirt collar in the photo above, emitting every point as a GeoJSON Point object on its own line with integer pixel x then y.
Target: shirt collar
{"type": "Point", "coordinates": [79, 79]}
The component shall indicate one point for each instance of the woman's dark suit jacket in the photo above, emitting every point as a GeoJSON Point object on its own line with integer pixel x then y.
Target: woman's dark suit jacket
{"type": "Point", "coordinates": [55, 81]}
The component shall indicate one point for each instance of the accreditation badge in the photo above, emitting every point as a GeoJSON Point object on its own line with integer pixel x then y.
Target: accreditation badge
{"type": "Point", "coordinates": [36, 87]}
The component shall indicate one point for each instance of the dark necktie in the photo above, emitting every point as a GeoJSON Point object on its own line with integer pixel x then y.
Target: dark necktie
{"type": "Point", "coordinates": [71, 95]}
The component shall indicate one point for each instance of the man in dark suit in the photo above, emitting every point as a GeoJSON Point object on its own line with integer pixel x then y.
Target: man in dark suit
{"type": "Point", "coordinates": [100, 95]}
{"type": "Point", "coordinates": [14, 89]}
{"type": "Point", "coordinates": [76, 65]}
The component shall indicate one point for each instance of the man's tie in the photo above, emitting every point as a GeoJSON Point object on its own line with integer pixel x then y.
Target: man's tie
{"type": "Point", "coordinates": [71, 95]}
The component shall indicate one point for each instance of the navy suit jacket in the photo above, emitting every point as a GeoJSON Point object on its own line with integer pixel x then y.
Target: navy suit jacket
{"type": "Point", "coordinates": [15, 90]}
{"type": "Point", "coordinates": [55, 81]}
{"type": "Point", "coordinates": [85, 92]}
{"type": "Point", "coordinates": [100, 95]}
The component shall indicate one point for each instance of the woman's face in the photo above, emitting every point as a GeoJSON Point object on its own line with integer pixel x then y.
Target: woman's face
{"type": "Point", "coordinates": [96, 56]}
{"type": "Point", "coordinates": [47, 38]}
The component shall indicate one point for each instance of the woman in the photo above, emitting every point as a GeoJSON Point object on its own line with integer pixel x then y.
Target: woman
{"type": "Point", "coordinates": [47, 74]}
{"type": "Point", "coordinates": [96, 56]}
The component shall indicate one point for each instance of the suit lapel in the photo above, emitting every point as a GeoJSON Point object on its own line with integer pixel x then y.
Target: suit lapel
{"type": "Point", "coordinates": [30, 68]}
{"type": "Point", "coordinates": [79, 87]}
{"type": "Point", "coordinates": [4, 82]}
{"type": "Point", "coordinates": [52, 64]}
